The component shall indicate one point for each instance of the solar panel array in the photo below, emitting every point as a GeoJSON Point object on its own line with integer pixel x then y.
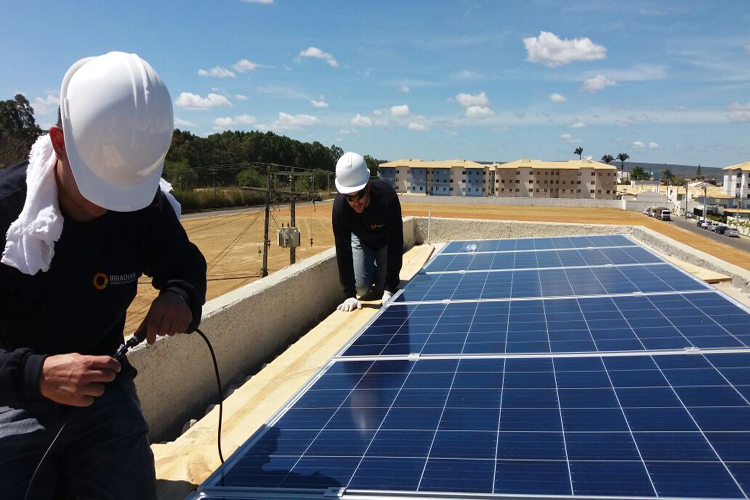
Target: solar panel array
{"type": "Point", "coordinates": [630, 385]}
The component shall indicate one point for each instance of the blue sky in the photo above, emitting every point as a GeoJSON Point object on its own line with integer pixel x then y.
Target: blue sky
{"type": "Point", "coordinates": [665, 82]}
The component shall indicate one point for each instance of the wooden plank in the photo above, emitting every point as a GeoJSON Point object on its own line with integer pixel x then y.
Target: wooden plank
{"type": "Point", "coordinates": [186, 462]}
{"type": "Point", "coordinates": [700, 273]}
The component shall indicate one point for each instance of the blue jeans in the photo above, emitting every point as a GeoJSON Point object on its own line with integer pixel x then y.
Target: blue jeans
{"type": "Point", "coordinates": [102, 453]}
{"type": "Point", "coordinates": [369, 267]}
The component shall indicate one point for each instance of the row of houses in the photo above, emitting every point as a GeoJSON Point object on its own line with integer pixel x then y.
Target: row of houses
{"type": "Point", "coordinates": [524, 178]}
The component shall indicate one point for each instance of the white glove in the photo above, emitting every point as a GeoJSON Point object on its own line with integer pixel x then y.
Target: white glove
{"type": "Point", "coordinates": [386, 297]}
{"type": "Point", "coordinates": [350, 304]}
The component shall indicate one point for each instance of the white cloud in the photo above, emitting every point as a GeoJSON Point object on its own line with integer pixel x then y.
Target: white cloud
{"type": "Point", "coordinates": [381, 123]}
{"type": "Point", "coordinates": [217, 72]}
{"type": "Point", "coordinates": [402, 110]}
{"type": "Point", "coordinates": [597, 83]}
{"type": "Point", "coordinates": [467, 100]}
{"type": "Point", "coordinates": [361, 121]}
{"type": "Point", "coordinates": [418, 127]}
{"type": "Point", "coordinates": [46, 106]}
{"type": "Point", "coordinates": [194, 101]}
{"type": "Point", "coordinates": [234, 121]}
{"type": "Point", "coordinates": [264, 2]}
{"type": "Point", "coordinates": [639, 145]}
{"type": "Point", "coordinates": [566, 136]}
{"type": "Point", "coordinates": [465, 74]}
{"type": "Point", "coordinates": [680, 107]}
{"type": "Point", "coordinates": [578, 125]}
{"type": "Point", "coordinates": [557, 98]}
{"type": "Point", "coordinates": [478, 112]}
{"type": "Point", "coordinates": [551, 51]}
{"type": "Point", "coordinates": [747, 48]}
{"type": "Point", "coordinates": [319, 54]}
{"type": "Point", "coordinates": [282, 91]}
{"type": "Point", "coordinates": [739, 112]}
{"type": "Point", "coordinates": [348, 131]}
{"type": "Point", "coordinates": [287, 121]}
{"type": "Point", "coordinates": [243, 66]}
{"type": "Point", "coordinates": [653, 145]}
{"type": "Point", "coordinates": [320, 103]}
{"type": "Point", "coordinates": [179, 122]}
{"type": "Point", "coordinates": [404, 88]}
{"type": "Point", "coordinates": [377, 112]}
{"type": "Point", "coordinates": [241, 97]}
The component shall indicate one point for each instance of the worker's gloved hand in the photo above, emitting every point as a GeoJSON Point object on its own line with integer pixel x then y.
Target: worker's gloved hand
{"type": "Point", "coordinates": [350, 304]}
{"type": "Point", "coordinates": [387, 296]}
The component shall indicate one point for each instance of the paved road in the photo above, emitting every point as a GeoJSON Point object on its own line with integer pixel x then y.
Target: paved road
{"type": "Point", "coordinates": [741, 243]}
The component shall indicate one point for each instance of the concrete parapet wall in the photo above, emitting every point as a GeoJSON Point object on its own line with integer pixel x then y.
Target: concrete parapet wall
{"type": "Point", "coordinates": [441, 229]}
{"type": "Point", "coordinates": [499, 200]}
{"type": "Point", "coordinates": [247, 327]}
{"type": "Point", "coordinates": [668, 246]}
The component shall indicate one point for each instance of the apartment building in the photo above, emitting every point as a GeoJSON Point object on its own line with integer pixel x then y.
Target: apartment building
{"type": "Point", "coordinates": [737, 184]}
{"type": "Point", "coordinates": [521, 178]}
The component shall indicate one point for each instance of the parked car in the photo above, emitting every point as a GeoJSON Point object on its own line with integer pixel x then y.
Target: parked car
{"type": "Point", "coordinates": [731, 231]}
{"type": "Point", "coordinates": [719, 229]}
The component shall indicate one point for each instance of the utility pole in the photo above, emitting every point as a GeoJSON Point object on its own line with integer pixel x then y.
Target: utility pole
{"type": "Point", "coordinates": [705, 201]}
{"type": "Point", "coordinates": [293, 223]}
{"type": "Point", "coordinates": [686, 198]}
{"type": "Point", "coordinates": [213, 171]}
{"type": "Point", "coordinates": [264, 269]}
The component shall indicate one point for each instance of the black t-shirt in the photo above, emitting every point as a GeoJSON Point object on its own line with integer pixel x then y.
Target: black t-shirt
{"type": "Point", "coordinates": [379, 225]}
{"type": "Point", "coordinates": [79, 304]}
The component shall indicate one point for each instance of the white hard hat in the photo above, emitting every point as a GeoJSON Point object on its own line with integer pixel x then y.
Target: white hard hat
{"type": "Point", "coordinates": [352, 173]}
{"type": "Point", "coordinates": [117, 122]}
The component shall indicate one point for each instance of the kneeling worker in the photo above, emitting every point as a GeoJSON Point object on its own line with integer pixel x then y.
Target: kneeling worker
{"type": "Point", "coordinates": [80, 221]}
{"type": "Point", "coordinates": [369, 233]}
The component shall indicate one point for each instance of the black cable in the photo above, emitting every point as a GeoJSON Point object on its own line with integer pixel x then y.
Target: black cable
{"type": "Point", "coordinates": [123, 350]}
{"type": "Point", "coordinates": [39, 465]}
{"type": "Point", "coordinates": [221, 394]}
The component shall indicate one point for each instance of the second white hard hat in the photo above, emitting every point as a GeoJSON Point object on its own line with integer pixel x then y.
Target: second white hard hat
{"type": "Point", "coordinates": [352, 173]}
{"type": "Point", "coordinates": [117, 122]}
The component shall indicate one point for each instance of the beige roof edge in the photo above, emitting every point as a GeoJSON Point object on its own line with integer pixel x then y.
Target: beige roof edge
{"type": "Point", "coordinates": [521, 163]}
{"type": "Point", "coordinates": [745, 167]}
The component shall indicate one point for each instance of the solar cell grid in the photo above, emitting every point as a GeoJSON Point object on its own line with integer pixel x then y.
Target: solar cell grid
{"type": "Point", "coordinates": [615, 240]}
{"type": "Point", "coordinates": [703, 320]}
{"type": "Point", "coordinates": [541, 259]}
{"type": "Point", "coordinates": [613, 426]}
{"type": "Point", "coordinates": [484, 285]}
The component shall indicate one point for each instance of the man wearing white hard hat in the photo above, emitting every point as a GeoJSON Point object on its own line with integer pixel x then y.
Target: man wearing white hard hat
{"type": "Point", "coordinates": [80, 221]}
{"type": "Point", "coordinates": [369, 233]}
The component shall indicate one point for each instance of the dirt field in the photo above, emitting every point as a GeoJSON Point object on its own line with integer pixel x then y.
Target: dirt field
{"type": "Point", "coordinates": [231, 242]}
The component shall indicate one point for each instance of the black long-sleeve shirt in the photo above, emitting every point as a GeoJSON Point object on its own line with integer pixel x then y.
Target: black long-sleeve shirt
{"type": "Point", "coordinates": [379, 225]}
{"type": "Point", "coordinates": [79, 304]}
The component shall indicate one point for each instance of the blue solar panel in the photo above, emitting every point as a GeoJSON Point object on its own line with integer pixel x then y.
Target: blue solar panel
{"type": "Point", "coordinates": [616, 240]}
{"type": "Point", "coordinates": [548, 283]}
{"type": "Point", "coordinates": [703, 320]}
{"type": "Point", "coordinates": [538, 259]}
{"type": "Point", "coordinates": [676, 426]}
{"type": "Point", "coordinates": [507, 376]}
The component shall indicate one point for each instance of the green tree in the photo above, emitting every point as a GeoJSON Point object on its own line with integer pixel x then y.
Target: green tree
{"type": "Point", "coordinates": [608, 159]}
{"type": "Point", "coordinates": [251, 177]}
{"type": "Point", "coordinates": [578, 151]}
{"type": "Point", "coordinates": [18, 130]}
{"type": "Point", "coordinates": [622, 157]}
{"type": "Point", "coordinates": [667, 177]}
{"type": "Point", "coordinates": [637, 173]}
{"type": "Point", "coordinates": [372, 165]}
{"type": "Point", "coordinates": [180, 174]}
{"type": "Point", "coordinates": [698, 173]}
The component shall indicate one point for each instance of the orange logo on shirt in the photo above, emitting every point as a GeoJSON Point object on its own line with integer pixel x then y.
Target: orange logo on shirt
{"type": "Point", "coordinates": [101, 281]}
